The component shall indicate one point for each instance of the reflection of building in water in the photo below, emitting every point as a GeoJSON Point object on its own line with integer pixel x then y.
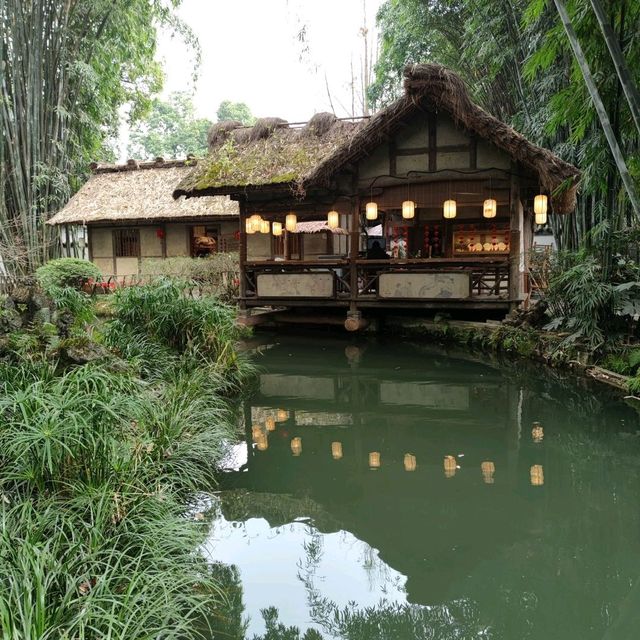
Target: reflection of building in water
{"type": "Point", "coordinates": [353, 417]}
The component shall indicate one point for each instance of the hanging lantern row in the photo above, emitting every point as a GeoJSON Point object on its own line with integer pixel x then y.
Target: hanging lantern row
{"type": "Point", "coordinates": [449, 209]}
{"type": "Point", "coordinates": [256, 224]}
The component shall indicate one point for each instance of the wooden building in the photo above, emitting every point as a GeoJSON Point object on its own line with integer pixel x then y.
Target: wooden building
{"type": "Point", "coordinates": [448, 190]}
{"type": "Point", "coordinates": [131, 218]}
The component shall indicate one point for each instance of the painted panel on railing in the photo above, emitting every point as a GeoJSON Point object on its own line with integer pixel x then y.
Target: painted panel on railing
{"type": "Point", "coordinates": [295, 285]}
{"type": "Point", "coordinates": [425, 286]}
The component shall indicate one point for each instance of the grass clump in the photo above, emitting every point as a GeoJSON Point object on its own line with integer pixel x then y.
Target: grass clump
{"type": "Point", "coordinates": [100, 469]}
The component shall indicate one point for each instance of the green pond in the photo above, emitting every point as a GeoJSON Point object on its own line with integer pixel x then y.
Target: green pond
{"type": "Point", "coordinates": [394, 490]}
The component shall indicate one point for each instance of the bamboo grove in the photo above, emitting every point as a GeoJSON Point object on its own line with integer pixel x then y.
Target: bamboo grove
{"type": "Point", "coordinates": [68, 67]}
{"type": "Point", "coordinates": [518, 61]}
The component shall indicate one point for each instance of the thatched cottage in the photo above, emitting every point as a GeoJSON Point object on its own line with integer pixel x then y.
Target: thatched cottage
{"type": "Point", "coordinates": [438, 200]}
{"type": "Point", "coordinates": [131, 217]}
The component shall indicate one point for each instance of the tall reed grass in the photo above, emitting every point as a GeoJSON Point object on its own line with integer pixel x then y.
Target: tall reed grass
{"type": "Point", "coordinates": [98, 468]}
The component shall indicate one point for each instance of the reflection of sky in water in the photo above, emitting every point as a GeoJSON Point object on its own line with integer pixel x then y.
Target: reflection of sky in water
{"type": "Point", "coordinates": [275, 563]}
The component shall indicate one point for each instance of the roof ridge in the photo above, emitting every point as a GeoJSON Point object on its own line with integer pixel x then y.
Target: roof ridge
{"type": "Point", "coordinates": [134, 165]}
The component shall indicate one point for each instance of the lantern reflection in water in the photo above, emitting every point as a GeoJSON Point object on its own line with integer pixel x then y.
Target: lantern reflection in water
{"type": "Point", "coordinates": [296, 446]}
{"type": "Point", "coordinates": [336, 450]}
{"type": "Point", "coordinates": [537, 433]}
{"type": "Point", "coordinates": [374, 460]}
{"type": "Point", "coordinates": [270, 423]}
{"type": "Point", "coordinates": [262, 443]}
{"type": "Point", "coordinates": [450, 466]}
{"type": "Point", "coordinates": [410, 462]}
{"type": "Point", "coordinates": [256, 432]}
{"type": "Point", "coordinates": [537, 475]}
{"type": "Point", "coordinates": [488, 469]}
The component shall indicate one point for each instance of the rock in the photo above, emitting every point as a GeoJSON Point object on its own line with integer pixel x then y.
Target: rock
{"type": "Point", "coordinates": [83, 351]}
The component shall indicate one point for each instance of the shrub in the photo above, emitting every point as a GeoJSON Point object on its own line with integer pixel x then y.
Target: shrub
{"type": "Point", "coordinates": [66, 272]}
{"type": "Point", "coordinates": [593, 304]}
{"type": "Point", "coordinates": [218, 273]}
{"type": "Point", "coordinates": [160, 320]}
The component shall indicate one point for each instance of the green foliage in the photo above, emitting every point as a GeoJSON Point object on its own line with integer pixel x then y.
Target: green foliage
{"type": "Point", "coordinates": [228, 110]}
{"type": "Point", "coordinates": [592, 304]}
{"type": "Point", "coordinates": [517, 62]}
{"type": "Point", "coordinates": [171, 129]}
{"type": "Point", "coordinates": [66, 272]}
{"type": "Point", "coordinates": [99, 468]}
{"type": "Point", "coordinates": [68, 68]}
{"type": "Point", "coordinates": [218, 273]}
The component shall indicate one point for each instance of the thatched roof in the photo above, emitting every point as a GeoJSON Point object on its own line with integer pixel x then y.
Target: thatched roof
{"type": "Point", "coordinates": [274, 153]}
{"type": "Point", "coordinates": [434, 86]}
{"type": "Point", "coordinates": [271, 152]}
{"type": "Point", "coordinates": [319, 226]}
{"type": "Point", "coordinates": [139, 191]}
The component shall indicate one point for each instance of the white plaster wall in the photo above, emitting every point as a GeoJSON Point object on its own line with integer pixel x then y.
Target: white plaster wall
{"type": "Point", "coordinates": [150, 244]}
{"type": "Point", "coordinates": [447, 133]}
{"type": "Point", "coordinates": [490, 156]}
{"type": "Point", "coordinates": [177, 240]}
{"type": "Point", "coordinates": [101, 243]}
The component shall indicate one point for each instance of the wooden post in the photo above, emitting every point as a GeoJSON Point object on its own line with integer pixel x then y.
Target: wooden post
{"type": "Point", "coordinates": [242, 255]}
{"type": "Point", "coordinates": [515, 286]}
{"type": "Point", "coordinates": [354, 245]}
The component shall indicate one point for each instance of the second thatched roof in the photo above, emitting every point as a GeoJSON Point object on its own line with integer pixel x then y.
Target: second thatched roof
{"type": "Point", "coordinates": [272, 152]}
{"type": "Point", "coordinates": [138, 191]}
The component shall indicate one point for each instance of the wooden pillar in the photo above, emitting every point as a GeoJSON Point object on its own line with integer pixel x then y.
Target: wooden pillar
{"type": "Point", "coordinates": [242, 254]}
{"type": "Point", "coordinates": [354, 245]}
{"type": "Point", "coordinates": [515, 231]}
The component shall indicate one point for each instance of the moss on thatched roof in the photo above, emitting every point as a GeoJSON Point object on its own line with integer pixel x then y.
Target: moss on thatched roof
{"type": "Point", "coordinates": [269, 153]}
{"type": "Point", "coordinates": [139, 191]}
{"type": "Point", "coordinates": [273, 153]}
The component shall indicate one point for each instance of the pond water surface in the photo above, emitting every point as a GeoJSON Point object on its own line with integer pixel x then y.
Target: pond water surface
{"type": "Point", "coordinates": [391, 490]}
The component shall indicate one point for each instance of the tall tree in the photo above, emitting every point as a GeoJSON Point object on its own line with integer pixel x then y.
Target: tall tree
{"type": "Point", "coordinates": [170, 130]}
{"type": "Point", "coordinates": [67, 68]}
{"type": "Point", "coordinates": [229, 110]}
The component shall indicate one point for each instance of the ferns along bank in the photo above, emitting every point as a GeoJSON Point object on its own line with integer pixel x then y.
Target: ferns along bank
{"type": "Point", "coordinates": [108, 432]}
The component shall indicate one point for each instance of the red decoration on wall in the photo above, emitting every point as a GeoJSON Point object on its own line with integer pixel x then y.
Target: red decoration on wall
{"type": "Point", "coordinates": [236, 234]}
{"type": "Point", "coordinates": [160, 233]}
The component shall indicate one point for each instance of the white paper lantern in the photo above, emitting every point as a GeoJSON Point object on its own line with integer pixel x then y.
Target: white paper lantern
{"type": "Point", "coordinates": [276, 228]}
{"type": "Point", "coordinates": [540, 206]}
{"type": "Point", "coordinates": [265, 226]}
{"type": "Point", "coordinates": [449, 209]}
{"type": "Point", "coordinates": [291, 222]}
{"type": "Point", "coordinates": [372, 210]}
{"type": "Point", "coordinates": [333, 219]}
{"type": "Point", "coordinates": [489, 208]}
{"type": "Point", "coordinates": [408, 209]}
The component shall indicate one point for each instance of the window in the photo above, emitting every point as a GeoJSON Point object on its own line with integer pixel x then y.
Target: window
{"type": "Point", "coordinates": [127, 243]}
{"type": "Point", "coordinates": [204, 241]}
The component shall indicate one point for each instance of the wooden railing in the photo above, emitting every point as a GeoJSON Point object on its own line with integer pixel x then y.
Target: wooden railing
{"type": "Point", "coordinates": [489, 277]}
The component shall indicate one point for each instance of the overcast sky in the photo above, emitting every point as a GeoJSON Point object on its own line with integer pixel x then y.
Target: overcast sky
{"type": "Point", "coordinates": [251, 53]}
